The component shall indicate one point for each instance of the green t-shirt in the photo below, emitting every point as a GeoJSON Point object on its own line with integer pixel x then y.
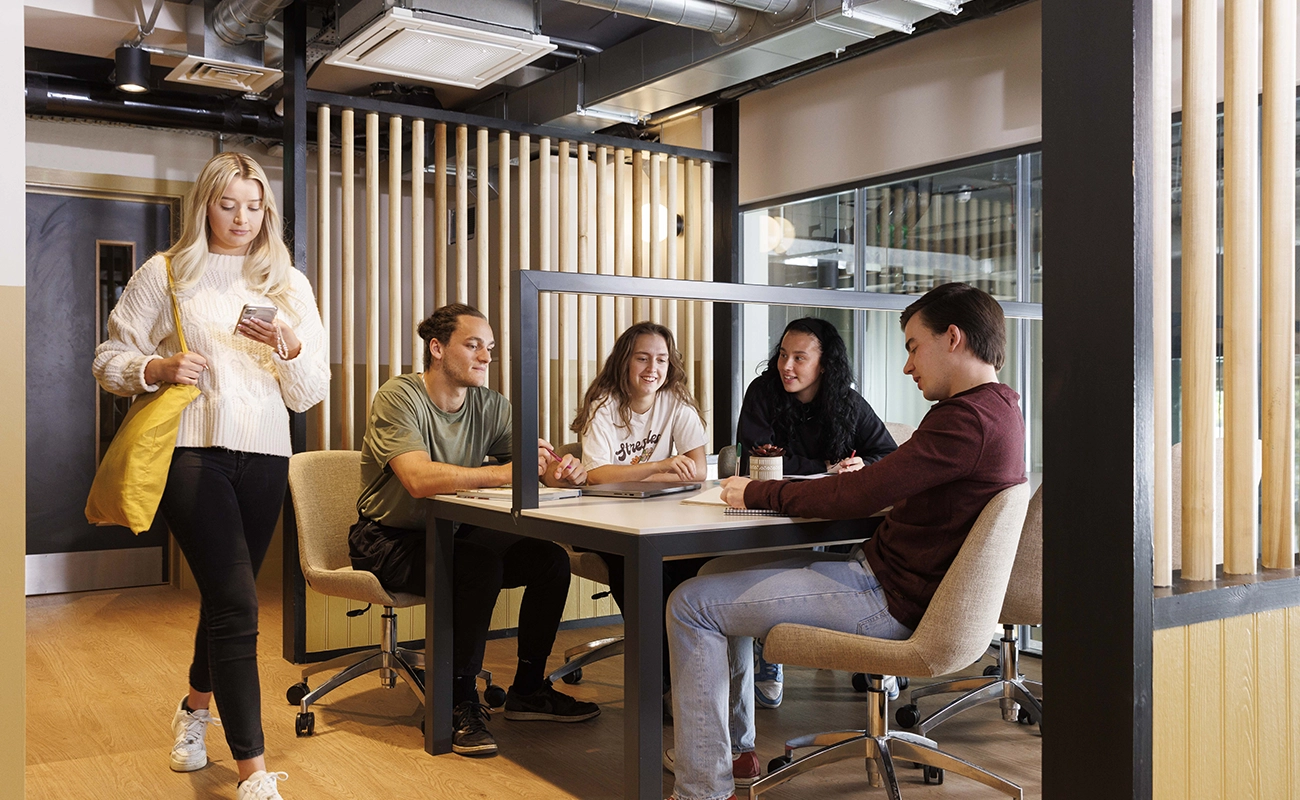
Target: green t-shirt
{"type": "Point", "coordinates": [403, 419]}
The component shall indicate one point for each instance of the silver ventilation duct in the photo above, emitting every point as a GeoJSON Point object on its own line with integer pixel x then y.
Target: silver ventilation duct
{"type": "Point", "coordinates": [781, 10]}
{"type": "Point", "coordinates": [725, 22]}
{"type": "Point", "coordinates": [238, 21]}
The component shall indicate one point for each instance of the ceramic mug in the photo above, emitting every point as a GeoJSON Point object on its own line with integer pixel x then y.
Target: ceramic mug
{"type": "Point", "coordinates": [765, 468]}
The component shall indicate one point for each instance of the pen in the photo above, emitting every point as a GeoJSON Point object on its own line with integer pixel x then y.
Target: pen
{"type": "Point", "coordinates": [556, 457]}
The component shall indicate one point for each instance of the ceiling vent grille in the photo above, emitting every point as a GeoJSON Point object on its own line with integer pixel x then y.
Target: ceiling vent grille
{"type": "Point", "coordinates": [404, 45]}
{"type": "Point", "coordinates": [218, 74]}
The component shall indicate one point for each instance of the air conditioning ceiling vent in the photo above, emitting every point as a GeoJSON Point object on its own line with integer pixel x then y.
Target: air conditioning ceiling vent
{"type": "Point", "coordinates": [403, 44]}
{"type": "Point", "coordinates": [219, 74]}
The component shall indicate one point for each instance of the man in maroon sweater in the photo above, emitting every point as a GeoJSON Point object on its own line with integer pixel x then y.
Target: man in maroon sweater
{"type": "Point", "coordinates": [969, 447]}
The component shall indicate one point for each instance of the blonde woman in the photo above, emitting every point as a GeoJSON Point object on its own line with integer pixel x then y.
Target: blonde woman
{"type": "Point", "coordinates": [227, 478]}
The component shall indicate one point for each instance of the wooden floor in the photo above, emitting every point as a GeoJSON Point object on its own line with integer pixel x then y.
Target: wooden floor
{"type": "Point", "coordinates": [106, 669]}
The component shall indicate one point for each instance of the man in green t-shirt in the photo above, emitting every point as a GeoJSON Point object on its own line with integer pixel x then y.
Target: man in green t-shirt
{"type": "Point", "coordinates": [430, 434]}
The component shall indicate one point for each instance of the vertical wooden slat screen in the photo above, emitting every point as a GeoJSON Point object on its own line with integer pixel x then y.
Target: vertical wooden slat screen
{"type": "Point", "coordinates": [417, 243]}
{"type": "Point", "coordinates": [640, 306]}
{"type": "Point", "coordinates": [482, 237]}
{"type": "Point", "coordinates": [670, 250]}
{"type": "Point", "coordinates": [503, 262]}
{"type": "Point", "coordinates": [656, 232]}
{"type": "Point", "coordinates": [692, 266]}
{"type": "Point", "coordinates": [1278, 277]}
{"type": "Point", "coordinates": [706, 309]}
{"type": "Point", "coordinates": [396, 332]}
{"type": "Point", "coordinates": [439, 215]}
{"type": "Point", "coordinates": [1240, 321]}
{"type": "Point", "coordinates": [584, 265]}
{"type": "Point", "coordinates": [622, 231]}
{"type": "Point", "coordinates": [1200, 154]}
{"type": "Point", "coordinates": [324, 225]}
{"type": "Point", "coordinates": [544, 302]}
{"type": "Point", "coordinates": [347, 278]}
{"type": "Point", "coordinates": [567, 322]}
{"type": "Point", "coordinates": [372, 257]}
{"type": "Point", "coordinates": [462, 214]}
{"type": "Point", "coordinates": [1162, 289]}
{"type": "Point", "coordinates": [604, 254]}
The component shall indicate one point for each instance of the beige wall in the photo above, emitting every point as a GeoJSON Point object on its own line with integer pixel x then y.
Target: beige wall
{"type": "Point", "coordinates": [944, 96]}
{"type": "Point", "coordinates": [13, 479]}
{"type": "Point", "coordinates": [1226, 709]}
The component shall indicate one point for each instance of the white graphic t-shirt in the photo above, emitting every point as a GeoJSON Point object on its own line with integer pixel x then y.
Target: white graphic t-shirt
{"type": "Point", "coordinates": [668, 428]}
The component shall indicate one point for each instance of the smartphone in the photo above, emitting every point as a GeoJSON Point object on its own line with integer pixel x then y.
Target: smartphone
{"type": "Point", "coordinates": [250, 311]}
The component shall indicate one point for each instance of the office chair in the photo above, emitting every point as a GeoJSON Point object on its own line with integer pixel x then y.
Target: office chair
{"type": "Point", "coordinates": [324, 487]}
{"type": "Point", "coordinates": [952, 635]}
{"type": "Point", "coordinates": [1019, 697]}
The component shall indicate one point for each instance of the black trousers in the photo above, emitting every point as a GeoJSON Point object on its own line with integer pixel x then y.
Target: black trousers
{"type": "Point", "coordinates": [222, 506]}
{"type": "Point", "coordinates": [483, 563]}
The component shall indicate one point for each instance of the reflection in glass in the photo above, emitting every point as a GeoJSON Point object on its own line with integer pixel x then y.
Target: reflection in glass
{"type": "Point", "coordinates": [115, 261]}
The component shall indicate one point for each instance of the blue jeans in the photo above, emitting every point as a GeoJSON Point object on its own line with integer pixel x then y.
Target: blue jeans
{"type": "Point", "coordinates": [713, 619]}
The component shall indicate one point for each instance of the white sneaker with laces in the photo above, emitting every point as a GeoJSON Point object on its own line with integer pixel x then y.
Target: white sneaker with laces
{"type": "Point", "coordinates": [261, 786]}
{"type": "Point", "coordinates": [188, 727]}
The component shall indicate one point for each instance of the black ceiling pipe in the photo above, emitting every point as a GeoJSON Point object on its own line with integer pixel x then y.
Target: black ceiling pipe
{"type": "Point", "coordinates": [57, 96]}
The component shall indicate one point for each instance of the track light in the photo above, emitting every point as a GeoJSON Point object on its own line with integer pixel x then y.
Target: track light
{"type": "Point", "coordinates": [132, 73]}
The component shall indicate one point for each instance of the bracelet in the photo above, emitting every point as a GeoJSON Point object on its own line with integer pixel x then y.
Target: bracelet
{"type": "Point", "coordinates": [280, 349]}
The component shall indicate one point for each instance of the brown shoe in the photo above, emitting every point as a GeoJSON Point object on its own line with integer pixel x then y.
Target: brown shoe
{"type": "Point", "coordinates": [745, 768]}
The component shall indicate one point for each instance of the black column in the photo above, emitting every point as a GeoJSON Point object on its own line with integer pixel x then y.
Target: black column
{"type": "Point", "coordinates": [295, 231]}
{"type": "Point", "coordinates": [1097, 362]}
{"type": "Point", "coordinates": [726, 269]}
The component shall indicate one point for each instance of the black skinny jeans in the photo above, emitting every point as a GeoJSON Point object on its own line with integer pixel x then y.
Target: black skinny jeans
{"type": "Point", "coordinates": [483, 563]}
{"type": "Point", "coordinates": [222, 506]}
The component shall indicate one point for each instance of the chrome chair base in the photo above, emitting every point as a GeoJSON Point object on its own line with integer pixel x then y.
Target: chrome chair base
{"type": "Point", "coordinates": [881, 748]}
{"type": "Point", "coordinates": [575, 658]}
{"type": "Point", "coordinates": [1008, 687]}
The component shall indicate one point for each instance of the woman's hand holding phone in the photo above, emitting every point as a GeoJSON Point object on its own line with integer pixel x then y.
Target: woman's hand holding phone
{"type": "Point", "coordinates": [270, 332]}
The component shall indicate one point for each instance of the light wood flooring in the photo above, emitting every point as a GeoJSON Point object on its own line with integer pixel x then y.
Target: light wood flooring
{"type": "Point", "coordinates": [106, 669]}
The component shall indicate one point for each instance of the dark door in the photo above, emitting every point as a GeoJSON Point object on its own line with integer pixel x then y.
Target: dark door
{"type": "Point", "coordinates": [80, 253]}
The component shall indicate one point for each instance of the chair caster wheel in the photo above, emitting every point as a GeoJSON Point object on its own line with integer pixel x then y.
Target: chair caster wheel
{"type": "Point", "coordinates": [294, 694]}
{"type": "Point", "coordinates": [778, 763]}
{"type": "Point", "coordinates": [1025, 718]}
{"type": "Point", "coordinates": [933, 775]}
{"type": "Point", "coordinates": [573, 677]}
{"type": "Point", "coordinates": [903, 682]}
{"type": "Point", "coordinates": [859, 682]}
{"type": "Point", "coordinates": [305, 725]}
{"type": "Point", "coordinates": [494, 696]}
{"type": "Point", "coordinates": [907, 716]}
{"type": "Point", "coordinates": [990, 670]}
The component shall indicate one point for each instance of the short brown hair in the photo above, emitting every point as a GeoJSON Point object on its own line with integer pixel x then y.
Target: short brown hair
{"type": "Point", "coordinates": [972, 310]}
{"type": "Point", "coordinates": [441, 324]}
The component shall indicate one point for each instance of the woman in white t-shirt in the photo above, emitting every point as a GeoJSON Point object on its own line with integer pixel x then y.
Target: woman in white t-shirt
{"type": "Point", "coordinates": [638, 421]}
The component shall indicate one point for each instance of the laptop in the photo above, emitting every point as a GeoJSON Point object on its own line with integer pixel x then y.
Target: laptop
{"type": "Point", "coordinates": [640, 489]}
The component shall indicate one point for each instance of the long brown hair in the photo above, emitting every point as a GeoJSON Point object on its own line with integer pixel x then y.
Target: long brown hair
{"type": "Point", "coordinates": [613, 384]}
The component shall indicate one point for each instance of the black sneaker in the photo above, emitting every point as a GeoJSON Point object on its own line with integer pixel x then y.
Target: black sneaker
{"type": "Point", "coordinates": [548, 704]}
{"type": "Point", "coordinates": [471, 736]}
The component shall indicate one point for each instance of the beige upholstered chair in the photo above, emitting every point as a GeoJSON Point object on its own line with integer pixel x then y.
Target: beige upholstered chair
{"type": "Point", "coordinates": [1019, 697]}
{"type": "Point", "coordinates": [952, 635]}
{"type": "Point", "coordinates": [592, 567]}
{"type": "Point", "coordinates": [324, 487]}
{"type": "Point", "coordinates": [901, 431]}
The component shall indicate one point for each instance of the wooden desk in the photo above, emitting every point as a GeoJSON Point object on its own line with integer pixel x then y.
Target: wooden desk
{"type": "Point", "coordinates": [645, 533]}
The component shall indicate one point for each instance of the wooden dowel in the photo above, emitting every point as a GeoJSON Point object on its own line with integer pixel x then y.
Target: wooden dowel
{"type": "Point", "coordinates": [525, 202]}
{"type": "Point", "coordinates": [1162, 289]}
{"type": "Point", "coordinates": [657, 232]}
{"type": "Point", "coordinates": [604, 254]}
{"type": "Point", "coordinates": [324, 224]}
{"type": "Point", "coordinates": [440, 240]}
{"type": "Point", "coordinates": [584, 303]}
{"type": "Point", "coordinates": [372, 257]}
{"type": "Point", "coordinates": [462, 214]}
{"type": "Point", "coordinates": [568, 312]}
{"type": "Point", "coordinates": [417, 243]}
{"type": "Point", "coordinates": [706, 309]}
{"type": "Point", "coordinates": [503, 262]}
{"type": "Point", "coordinates": [347, 278]}
{"type": "Point", "coordinates": [641, 305]}
{"type": "Point", "coordinates": [622, 235]}
{"type": "Point", "coordinates": [671, 268]}
{"type": "Point", "coordinates": [545, 302]}
{"type": "Point", "coordinates": [1200, 154]}
{"type": "Point", "coordinates": [396, 333]}
{"type": "Point", "coordinates": [482, 227]}
{"type": "Point", "coordinates": [1278, 269]}
{"type": "Point", "coordinates": [692, 263]}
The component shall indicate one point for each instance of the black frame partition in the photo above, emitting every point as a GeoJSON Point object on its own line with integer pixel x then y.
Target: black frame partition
{"type": "Point", "coordinates": [527, 285]}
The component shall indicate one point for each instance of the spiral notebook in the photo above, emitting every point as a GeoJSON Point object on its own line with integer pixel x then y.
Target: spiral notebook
{"type": "Point", "coordinates": [751, 512]}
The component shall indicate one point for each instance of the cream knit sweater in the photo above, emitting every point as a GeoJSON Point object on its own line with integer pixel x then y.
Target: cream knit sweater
{"type": "Point", "coordinates": [246, 387]}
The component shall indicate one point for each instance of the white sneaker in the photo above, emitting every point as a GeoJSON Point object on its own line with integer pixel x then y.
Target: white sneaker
{"type": "Point", "coordinates": [189, 752]}
{"type": "Point", "coordinates": [261, 786]}
{"type": "Point", "coordinates": [890, 684]}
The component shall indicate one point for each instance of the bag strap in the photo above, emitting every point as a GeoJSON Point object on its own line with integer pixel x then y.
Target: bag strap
{"type": "Point", "coordinates": [176, 309]}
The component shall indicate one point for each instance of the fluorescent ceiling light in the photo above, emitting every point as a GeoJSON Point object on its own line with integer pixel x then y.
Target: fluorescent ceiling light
{"type": "Point", "coordinates": [849, 9]}
{"type": "Point", "coordinates": [946, 6]}
{"type": "Point", "coordinates": [612, 116]}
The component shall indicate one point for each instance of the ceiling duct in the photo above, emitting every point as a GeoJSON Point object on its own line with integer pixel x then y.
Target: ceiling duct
{"type": "Point", "coordinates": [213, 60]}
{"type": "Point", "coordinates": [467, 43]}
{"type": "Point", "coordinates": [727, 23]}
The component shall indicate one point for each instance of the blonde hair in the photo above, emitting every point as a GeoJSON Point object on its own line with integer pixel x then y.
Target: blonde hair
{"type": "Point", "coordinates": [267, 265]}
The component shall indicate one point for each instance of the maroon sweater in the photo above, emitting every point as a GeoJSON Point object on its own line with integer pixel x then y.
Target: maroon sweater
{"type": "Point", "coordinates": [968, 448]}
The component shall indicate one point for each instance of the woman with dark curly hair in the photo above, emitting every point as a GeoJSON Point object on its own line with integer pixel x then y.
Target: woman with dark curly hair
{"type": "Point", "coordinates": [804, 401]}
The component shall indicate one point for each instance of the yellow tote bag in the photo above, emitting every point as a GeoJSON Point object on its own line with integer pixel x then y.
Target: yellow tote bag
{"type": "Point", "coordinates": [130, 480]}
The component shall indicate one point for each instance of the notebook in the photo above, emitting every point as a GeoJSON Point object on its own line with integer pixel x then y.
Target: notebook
{"type": "Point", "coordinates": [544, 493]}
{"type": "Point", "coordinates": [708, 497]}
{"type": "Point", "coordinates": [751, 512]}
{"type": "Point", "coordinates": [640, 489]}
